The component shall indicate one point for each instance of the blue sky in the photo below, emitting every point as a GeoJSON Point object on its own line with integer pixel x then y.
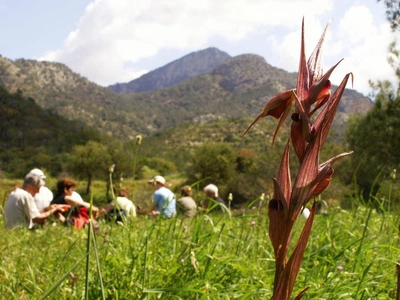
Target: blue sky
{"type": "Point", "coordinates": [110, 41]}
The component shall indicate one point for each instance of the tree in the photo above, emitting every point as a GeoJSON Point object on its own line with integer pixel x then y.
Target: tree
{"type": "Point", "coordinates": [121, 156]}
{"type": "Point", "coordinates": [159, 164]}
{"type": "Point", "coordinates": [375, 139]}
{"type": "Point", "coordinates": [393, 13]}
{"type": "Point", "coordinates": [89, 162]}
{"type": "Point", "coordinates": [213, 163]}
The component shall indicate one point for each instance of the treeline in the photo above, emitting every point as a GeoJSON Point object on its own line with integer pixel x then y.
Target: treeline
{"type": "Point", "coordinates": [213, 152]}
{"type": "Point", "coordinates": [32, 137]}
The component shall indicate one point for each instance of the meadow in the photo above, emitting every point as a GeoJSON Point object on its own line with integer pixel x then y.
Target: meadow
{"type": "Point", "coordinates": [351, 254]}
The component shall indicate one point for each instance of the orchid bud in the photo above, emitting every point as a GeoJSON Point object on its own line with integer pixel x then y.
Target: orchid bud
{"type": "Point", "coordinates": [138, 139]}
{"type": "Point", "coordinates": [112, 168]}
{"type": "Point", "coordinates": [230, 197]}
{"type": "Point", "coordinates": [262, 197]}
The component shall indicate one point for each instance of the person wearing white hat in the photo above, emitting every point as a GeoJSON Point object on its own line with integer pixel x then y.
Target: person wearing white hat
{"type": "Point", "coordinates": [164, 201]}
{"type": "Point", "coordinates": [45, 195]}
{"type": "Point", "coordinates": [20, 208]}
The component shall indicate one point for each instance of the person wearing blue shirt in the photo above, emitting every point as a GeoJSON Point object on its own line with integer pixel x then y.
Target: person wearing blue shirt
{"type": "Point", "coordinates": [164, 201]}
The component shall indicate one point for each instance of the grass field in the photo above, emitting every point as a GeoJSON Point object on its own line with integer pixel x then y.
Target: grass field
{"type": "Point", "coordinates": [352, 254]}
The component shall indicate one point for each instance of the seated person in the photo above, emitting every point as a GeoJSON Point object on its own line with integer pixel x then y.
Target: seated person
{"type": "Point", "coordinates": [186, 204]}
{"type": "Point", "coordinates": [21, 210]}
{"type": "Point", "coordinates": [164, 201]}
{"type": "Point", "coordinates": [120, 206]}
{"type": "Point", "coordinates": [76, 196]}
{"type": "Point", "coordinates": [80, 212]}
{"type": "Point", "coordinates": [211, 192]}
{"type": "Point", "coordinates": [44, 197]}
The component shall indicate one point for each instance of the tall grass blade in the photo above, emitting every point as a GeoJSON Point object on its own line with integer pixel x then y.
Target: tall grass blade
{"type": "Point", "coordinates": [145, 263]}
{"type": "Point", "coordinates": [358, 252]}
{"type": "Point", "coordinates": [362, 279]}
{"type": "Point", "coordinates": [87, 264]}
{"type": "Point", "coordinates": [57, 284]}
{"type": "Point", "coordinates": [97, 260]}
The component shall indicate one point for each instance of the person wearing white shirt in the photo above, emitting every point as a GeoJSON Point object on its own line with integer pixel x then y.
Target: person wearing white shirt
{"type": "Point", "coordinates": [45, 195]}
{"type": "Point", "coordinates": [20, 208]}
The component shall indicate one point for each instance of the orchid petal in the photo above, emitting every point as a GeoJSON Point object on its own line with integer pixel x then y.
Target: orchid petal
{"type": "Point", "coordinates": [325, 175]}
{"type": "Point", "coordinates": [325, 119]}
{"type": "Point", "coordinates": [302, 293]}
{"type": "Point", "coordinates": [284, 180]}
{"type": "Point", "coordinates": [278, 235]}
{"type": "Point", "coordinates": [322, 98]}
{"type": "Point", "coordinates": [278, 212]}
{"type": "Point", "coordinates": [314, 63]}
{"type": "Point", "coordinates": [277, 221]}
{"type": "Point", "coordinates": [321, 88]}
{"type": "Point", "coordinates": [301, 130]}
{"type": "Point", "coordinates": [303, 75]}
{"type": "Point", "coordinates": [331, 161]}
{"type": "Point", "coordinates": [304, 120]}
{"type": "Point", "coordinates": [282, 120]}
{"type": "Point", "coordinates": [305, 179]}
{"type": "Point", "coordinates": [322, 183]}
{"type": "Point", "coordinates": [288, 278]}
{"type": "Point", "coordinates": [276, 107]}
{"type": "Point", "coordinates": [296, 135]}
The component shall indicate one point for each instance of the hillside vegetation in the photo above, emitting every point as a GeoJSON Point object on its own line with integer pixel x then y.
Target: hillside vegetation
{"type": "Point", "coordinates": [238, 87]}
{"type": "Point", "coordinates": [31, 136]}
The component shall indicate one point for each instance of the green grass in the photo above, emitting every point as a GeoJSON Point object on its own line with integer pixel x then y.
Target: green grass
{"type": "Point", "coordinates": [351, 255]}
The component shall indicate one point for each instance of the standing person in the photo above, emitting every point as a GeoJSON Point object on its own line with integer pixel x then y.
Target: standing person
{"type": "Point", "coordinates": [211, 191]}
{"type": "Point", "coordinates": [44, 197]}
{"type": "Point", "coordinates": [164, 201]}
{"type": "Point", "coordinates": [186, 204]}
{"type": "Point", "coordinates": [21, 209]}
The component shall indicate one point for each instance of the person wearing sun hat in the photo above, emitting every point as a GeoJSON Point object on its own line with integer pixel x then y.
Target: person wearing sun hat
{"type": "Point", "coordinates": [45, 195]}
{"type": "Point", "coordinates": [20, 208]}
{"type": "Point", "coordinates": [164, 201]}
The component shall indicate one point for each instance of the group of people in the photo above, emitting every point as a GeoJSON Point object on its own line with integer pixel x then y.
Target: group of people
{"type": "Point", "coordinates": [164, 201]}
{"type": "Point", "coordinates": [33, 203]}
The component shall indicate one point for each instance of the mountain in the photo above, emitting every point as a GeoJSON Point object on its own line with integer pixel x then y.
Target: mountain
{"type": "Point", "coordinates": [238, 87]}
{"type": "Point", "coordinates": [193, 64]}
{"type": "Point", "coordinates": [55, 87]}
{"type": "Point", "coordinates": [248, 71]}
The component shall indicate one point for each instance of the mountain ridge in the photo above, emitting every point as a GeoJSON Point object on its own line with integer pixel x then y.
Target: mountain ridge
{"type": "Point", "coordinates": [237, 87]}
{"type": "Point", "coordinates": [190, 65]}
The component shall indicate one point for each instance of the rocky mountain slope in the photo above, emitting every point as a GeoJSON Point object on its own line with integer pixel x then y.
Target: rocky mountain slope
{"type": "Point", "coordinates": [193, 64]}
{"type": "Point", "coordinates": [238, 87]}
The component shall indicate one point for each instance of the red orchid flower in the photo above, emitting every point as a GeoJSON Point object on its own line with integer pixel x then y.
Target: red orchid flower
{"type": "Point", "coordinates": [312, 95]}
{"type": "Point", "coordinates": [278, 107]}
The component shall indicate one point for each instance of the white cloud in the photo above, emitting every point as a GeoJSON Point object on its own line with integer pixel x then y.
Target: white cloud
{"type": "Point", "coordinates": [113, 33]}
{"type": "Point", "coordinates": [112, 36]}
{"type": "Point", "coordinates": [363, 43]}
